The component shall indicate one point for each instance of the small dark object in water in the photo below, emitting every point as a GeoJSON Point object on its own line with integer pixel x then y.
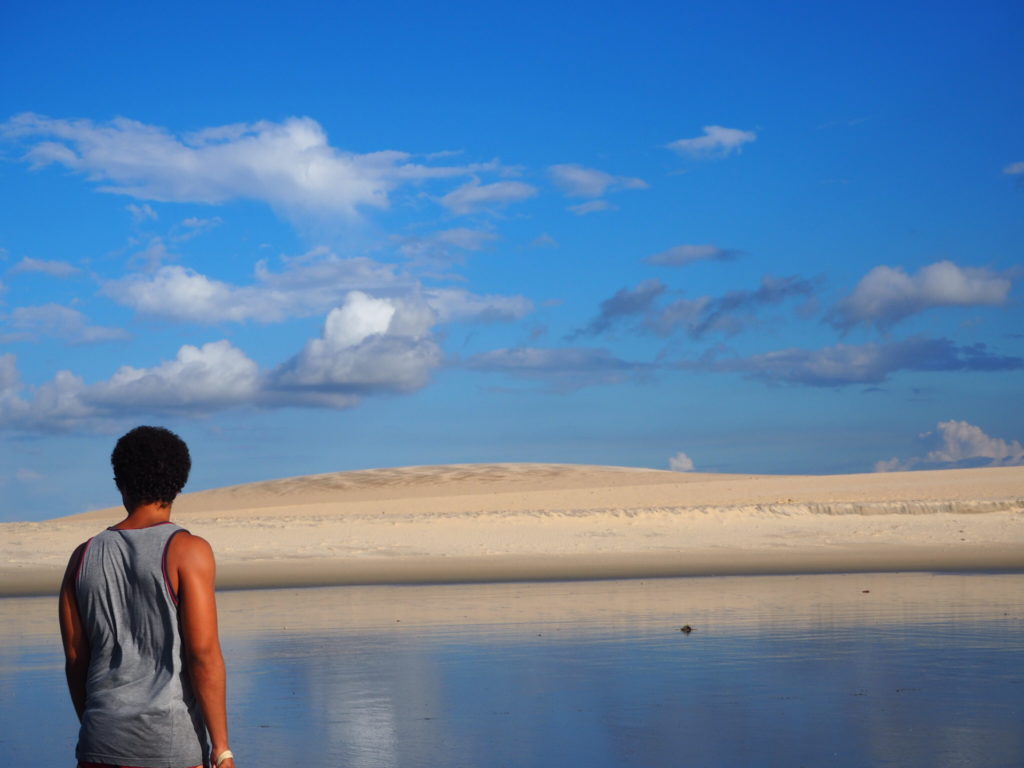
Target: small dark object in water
{"type": "Point", "coordinates": [686, 628]}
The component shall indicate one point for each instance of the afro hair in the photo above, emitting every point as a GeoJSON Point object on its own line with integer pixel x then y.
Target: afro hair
{"type": "Point", "coordinates": [151, 465]}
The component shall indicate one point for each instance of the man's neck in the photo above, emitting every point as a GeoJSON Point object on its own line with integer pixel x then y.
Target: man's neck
{"type": "Point", "coordinates": [146, 515]}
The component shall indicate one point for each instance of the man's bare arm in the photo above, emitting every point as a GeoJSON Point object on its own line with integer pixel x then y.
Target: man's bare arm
{"type": "Point", "coordinates": [191, 559]}
{"type": "Point", "coordinates": [72, 633]}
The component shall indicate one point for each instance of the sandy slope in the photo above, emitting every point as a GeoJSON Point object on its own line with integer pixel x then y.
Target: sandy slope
{"type": "Point", "coordinates": [527, 521]}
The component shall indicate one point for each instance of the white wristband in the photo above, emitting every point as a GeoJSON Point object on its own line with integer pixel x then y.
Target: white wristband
{"type": "Point", "coordinates": [225, 755]}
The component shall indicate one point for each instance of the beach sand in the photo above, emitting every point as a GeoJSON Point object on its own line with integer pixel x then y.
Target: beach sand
{"type": "Point", "coordinates": [505, 522]}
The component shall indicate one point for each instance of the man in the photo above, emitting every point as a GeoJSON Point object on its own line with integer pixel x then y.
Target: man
{"type": "Point", "coordinates": [138, 619]}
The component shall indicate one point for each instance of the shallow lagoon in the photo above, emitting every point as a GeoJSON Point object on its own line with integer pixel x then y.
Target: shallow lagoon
{"type": "Point", "coordinates": [851, 670]}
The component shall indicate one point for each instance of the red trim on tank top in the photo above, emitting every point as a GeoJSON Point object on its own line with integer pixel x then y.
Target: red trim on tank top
{"type": "Point", "coordinates": [163, 567]}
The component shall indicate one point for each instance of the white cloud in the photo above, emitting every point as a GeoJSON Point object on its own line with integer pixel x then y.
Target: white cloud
{"type": "Point", "coordinates": [367, 344]}
{"type": "Point", "coordinates": [886, 295]}
{"type": "Point", "coordinates": [682, 255]}
{"type": "Point", "coordinates": [580, 181]}
{"type": "Point", "coordinates": [58, 321]}
{"type": "Point", "coordinates": [51, 268]}
{"type": "Point", "coordinates": [1014, 168]}
{"type": "Point", "coordinates": [289, 165]}
{"type": "Point", "coordinates": [215, 375]}
{"type": "Point", "coordinates": [473, 195]}
{"type": "Point", "coordinates": [958, 443]}
{"type": "Point", "coordinates": [681, 463]}
{"type": "Point", "coordinates": [717, 141]}
{"type": "Point", "coordinates": [593, 206]}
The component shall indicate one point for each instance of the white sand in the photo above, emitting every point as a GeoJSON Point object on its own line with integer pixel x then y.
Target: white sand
{"type": "Point", "coordinates": [532, 521]}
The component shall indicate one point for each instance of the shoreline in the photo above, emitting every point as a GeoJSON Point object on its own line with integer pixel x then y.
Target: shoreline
{"type": "Point", "coordinates": [531, 522]}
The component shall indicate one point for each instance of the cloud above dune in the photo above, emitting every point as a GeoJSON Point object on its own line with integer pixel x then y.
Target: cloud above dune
{"type": "Point", "coordinates": [680, 462]}
{"type": "Point", "coordinates": [888, 295]}
{"type": "Point", "coordinates": [958, 443]}
{"type": "Point", "coordinates": [290, 165]}
{"type": "Point", "coordinates": [368, 345]}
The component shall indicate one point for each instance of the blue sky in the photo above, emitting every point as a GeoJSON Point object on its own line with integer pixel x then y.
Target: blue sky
{"type": "Point", "coordinates": [730, 237]}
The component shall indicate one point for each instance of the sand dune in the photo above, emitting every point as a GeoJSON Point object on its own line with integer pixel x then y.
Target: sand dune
{"type": "Point", "coordinates": [486, 522]}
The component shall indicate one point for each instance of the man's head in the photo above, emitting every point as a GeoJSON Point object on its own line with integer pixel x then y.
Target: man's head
{"type": "Point", "coordinates": [151, 465]}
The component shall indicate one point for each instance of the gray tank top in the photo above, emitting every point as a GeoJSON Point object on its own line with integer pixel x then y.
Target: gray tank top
{"type": "Point", "coordinates": [140, 708]}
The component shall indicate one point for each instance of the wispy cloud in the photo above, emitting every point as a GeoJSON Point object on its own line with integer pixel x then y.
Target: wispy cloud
{"type": "Point", "coordinates": [28, 324]}
{"type": "Point", "coordinates": [289, 165]}
{"type": "Point", "coordinates": [729, 313]}
{"type": "Point", "coordinates": [591, 206]}
{"type": "Point", "coordinates": [717, 141]}
{"type": "Point", "coordinates": [887, 295]}
{"type": "Point", "coordinates": [843, 365]}
{"type": "Point", "coordinates": [474, 196]}
{"type": "Point", "coordinates": [681, 255]}
{"type": "Point", "coordinates": [624, 303]}
{"type": "Point", "coordinates": [958, 443]}
{"type": "Point", "coordinates": [562, 369]}
{"type": "Point", "coordinates": [1014, 169]}
{"type": "Point", "coordinates": [580, 181]}
{"type": "Point", "coordinates": [60, 269]}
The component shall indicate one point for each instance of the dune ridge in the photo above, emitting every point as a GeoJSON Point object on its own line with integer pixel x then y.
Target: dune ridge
{"type": "Point", "coordinates": [487, 522]}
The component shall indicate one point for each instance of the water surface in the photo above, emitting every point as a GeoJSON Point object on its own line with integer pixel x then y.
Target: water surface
{"type": "Point", "coordinates": [857, 670]}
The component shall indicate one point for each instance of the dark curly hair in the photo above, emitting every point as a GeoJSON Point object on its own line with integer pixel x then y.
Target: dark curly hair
{"type": "Point", "coordinates": [151, 465]}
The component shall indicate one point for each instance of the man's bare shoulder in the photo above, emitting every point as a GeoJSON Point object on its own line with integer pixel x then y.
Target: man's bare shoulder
{"type": "Point", "coordinates": [187, 548]}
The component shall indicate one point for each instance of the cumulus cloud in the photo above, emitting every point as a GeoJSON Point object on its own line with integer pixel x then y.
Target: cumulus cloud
{"type": "Point", "coordinates": [624, 303]}
{"type": "Point", "coordinates": [887, 295]}
{"type": "Point", "coordinates": [842, 364]}
{"type": "Point", "coordinates": [958, 443]}
{"type": "Point", "coordinates": [681, 463]}
{"type": "Point", "coordinates": [717, 141]}
{"type": "Point", "coordinates": [563, 369]}
{"type": "Point", "coordinates": [681, 255]}
{"type": "Point", "coordinates": [289, 165]}
{"type": "Point", "coordinates": [473, 196]}
{"type": "Point", "coordinates": [367, 344]}
{"type": "Point", "coordinates": [199, 379]}
{"type": "Point", "coordinates": [580, 181]}
{"type": "Point", "coordinates": [52, 268]}
{"type": "Point", "coordinates": [57, 321]}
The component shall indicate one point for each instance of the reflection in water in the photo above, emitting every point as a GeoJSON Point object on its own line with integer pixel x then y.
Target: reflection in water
{"type": "Point", "coordinates": [854, 670]}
